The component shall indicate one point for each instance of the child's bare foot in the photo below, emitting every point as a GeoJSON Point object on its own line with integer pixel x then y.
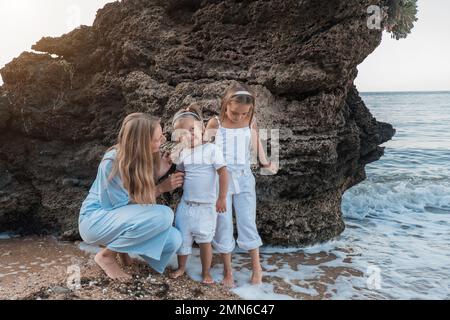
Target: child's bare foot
{"type": "Point", "coordinates": [125, 259]}
{"type": "Point", "coordinates": [228, 281]}
{"type": "Point", "coordinates": [207, 279]}
{"type": "Point", "coordinates": [177, 273]}
{"type": "Point", "coordinates": [256, 277]}
{"type": "Point", "coordinates": [106, 260]}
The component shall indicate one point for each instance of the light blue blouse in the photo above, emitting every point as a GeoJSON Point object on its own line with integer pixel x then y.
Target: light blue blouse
{"type": "Point", "coordinates": [107, 218]}
{"type": "Point", "coordinates": [106, 194]}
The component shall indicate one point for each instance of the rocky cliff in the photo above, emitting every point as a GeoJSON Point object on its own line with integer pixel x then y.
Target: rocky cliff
{"type": "Point", "coordinates": [61, 106]}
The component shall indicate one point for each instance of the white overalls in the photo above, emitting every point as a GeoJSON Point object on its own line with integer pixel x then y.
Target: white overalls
{"type": "Point", "coordinates": [236, 146]}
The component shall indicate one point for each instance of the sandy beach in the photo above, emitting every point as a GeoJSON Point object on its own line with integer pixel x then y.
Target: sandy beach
{"type": "Point", "coordinates": [43, 268]}
{"type": "Point", "coordinates": [40, 267]}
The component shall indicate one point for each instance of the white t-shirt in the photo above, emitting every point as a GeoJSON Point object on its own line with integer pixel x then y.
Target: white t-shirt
{"type": "Point", "coordinates": [200, 165]}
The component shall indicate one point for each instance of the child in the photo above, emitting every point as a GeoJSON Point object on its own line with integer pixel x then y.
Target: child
{"type": "Point", "coordinates": [196, 215]}
{"type": "Point", "coordinates": [236, 134]}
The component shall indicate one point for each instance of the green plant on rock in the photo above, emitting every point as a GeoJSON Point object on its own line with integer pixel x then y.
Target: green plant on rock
{"type": "Point", "coordinates": [401, 17]}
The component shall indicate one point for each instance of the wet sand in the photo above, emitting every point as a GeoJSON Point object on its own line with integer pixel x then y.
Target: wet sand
{"type": "Point", "coordinates": [316, 287]}
{"type": "Point", "coordinates": [41, 268]}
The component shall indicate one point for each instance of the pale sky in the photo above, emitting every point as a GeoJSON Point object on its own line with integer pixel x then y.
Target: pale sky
{"type": "Point", "coordinates": [419, 63]}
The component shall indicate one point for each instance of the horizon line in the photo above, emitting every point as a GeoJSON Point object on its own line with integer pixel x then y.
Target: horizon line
{"type": "Point", "coordinates": [407, 91]}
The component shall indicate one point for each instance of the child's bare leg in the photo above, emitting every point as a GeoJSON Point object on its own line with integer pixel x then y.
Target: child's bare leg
{"type": "Point", "coordinates": [125, 259]}
{"type": "Point", "coordinates": [206, 258]}
{"type": "Point", "coordinates": [256, 267]}
{"type": "Point", "coordinates": [106, 259]}
{"type": "Point", "coordinates": [182, 260]}
{"type": "Point", "coordinates": [228, 280]}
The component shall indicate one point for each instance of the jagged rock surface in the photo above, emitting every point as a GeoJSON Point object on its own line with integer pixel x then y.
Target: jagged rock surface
{"type": "Point", "coordinates": [61, 106]}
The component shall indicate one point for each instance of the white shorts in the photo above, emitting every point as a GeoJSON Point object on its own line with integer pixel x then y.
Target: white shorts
{"type": "Point", "coordinates": [196, 222]}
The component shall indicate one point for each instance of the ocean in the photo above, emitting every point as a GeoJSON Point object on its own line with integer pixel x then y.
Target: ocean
{"type": "Point", "coordinates": [399, 218]}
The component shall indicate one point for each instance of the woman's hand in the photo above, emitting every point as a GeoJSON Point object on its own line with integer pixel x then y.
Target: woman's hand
{"type": "Point", "coordinates": [174, 181]}
{"type": "Point", "coordinates": [166, 164]}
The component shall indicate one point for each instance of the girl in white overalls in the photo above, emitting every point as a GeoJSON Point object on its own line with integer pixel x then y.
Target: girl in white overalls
{"type": "Point", "coordinates": [236, 134]}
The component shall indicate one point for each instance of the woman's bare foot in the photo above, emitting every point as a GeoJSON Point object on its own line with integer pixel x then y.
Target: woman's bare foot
{"type": "Point", "coordinates": [256, 277]}
{"type": "Point", "coordinates": [177, 273]}
{"type": "Point", "coordinates": [207, 279]}
{"type": "Point", "coordinates": [106, 259]}
{"type": "Point", "coordinates": [125, 259]}
{"type": "Point", "coordinates": [228, 280]}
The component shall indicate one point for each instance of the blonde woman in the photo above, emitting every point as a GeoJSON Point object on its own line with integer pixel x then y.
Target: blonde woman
{"type": "Point", "coordinates": [120, 211]}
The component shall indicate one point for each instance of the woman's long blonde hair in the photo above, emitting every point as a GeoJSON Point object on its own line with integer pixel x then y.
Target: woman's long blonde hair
{"type": "Point", "coordinates": [230, 96]}
{"type": "Point", "coordinates": [135, 161]}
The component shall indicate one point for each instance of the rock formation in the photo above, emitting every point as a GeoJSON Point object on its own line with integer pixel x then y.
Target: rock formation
{"type": "Point", "coordinates": [61, 106]}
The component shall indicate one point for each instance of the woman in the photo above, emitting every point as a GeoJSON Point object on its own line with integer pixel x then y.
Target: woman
{"type": "Point", "coordinates": [120, 211]}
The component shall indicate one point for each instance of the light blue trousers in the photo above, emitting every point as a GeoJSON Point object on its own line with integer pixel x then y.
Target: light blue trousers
{"type": "Point", "coordinates": [144, 230]}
